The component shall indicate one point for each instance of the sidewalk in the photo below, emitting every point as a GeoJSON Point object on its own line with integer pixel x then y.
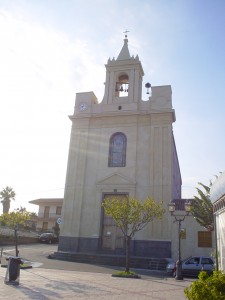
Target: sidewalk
{"type": "Point", "coordinates": [38, 283]}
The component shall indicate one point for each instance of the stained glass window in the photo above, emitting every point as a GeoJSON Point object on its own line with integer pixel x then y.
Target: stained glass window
{"type": "Point", "coordinates": [117, 150]}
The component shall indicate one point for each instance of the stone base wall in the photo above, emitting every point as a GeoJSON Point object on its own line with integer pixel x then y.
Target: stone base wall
{"type": "Point", "coordinates": [112, 260]}
{"type": "Point", "coordinates": [140, 248]}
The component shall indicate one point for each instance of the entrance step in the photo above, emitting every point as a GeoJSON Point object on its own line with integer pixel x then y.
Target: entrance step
{"type": "Point", "coordinates": [112, 260]}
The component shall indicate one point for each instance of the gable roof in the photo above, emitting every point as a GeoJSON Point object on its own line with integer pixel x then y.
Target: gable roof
{"type": "Point", "coordinates": [116, 179]}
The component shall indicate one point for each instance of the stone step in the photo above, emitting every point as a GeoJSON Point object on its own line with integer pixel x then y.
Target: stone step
{"type": "Point", "coordinates": [112, 260]}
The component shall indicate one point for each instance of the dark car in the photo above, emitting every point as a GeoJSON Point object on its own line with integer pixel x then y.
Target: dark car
{"type": "Point", "coordinates": [192, 266]}
{"type": "Point", "coordinates": [49, 238]}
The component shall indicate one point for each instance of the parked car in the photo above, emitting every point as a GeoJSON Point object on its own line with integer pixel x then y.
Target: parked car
{"type": "Point", "coordinates": [49, 238]}
{"type": "Point", "coordinates": [192, 266]}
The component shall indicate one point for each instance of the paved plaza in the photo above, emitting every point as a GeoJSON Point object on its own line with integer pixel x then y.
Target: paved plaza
{"type": "Point", "coordinates": [40, 283]}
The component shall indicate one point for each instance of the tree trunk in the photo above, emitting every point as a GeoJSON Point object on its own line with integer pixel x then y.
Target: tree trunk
{"type": "Point", "coordinates": [127, 268]}
{"type": "Point", "coordinates": [6, 206]}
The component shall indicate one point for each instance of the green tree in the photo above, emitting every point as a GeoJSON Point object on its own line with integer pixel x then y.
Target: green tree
{"type": "Point", "coordinates": [7, 194]}
{"type": "Point", "coordinates": [132, 215]}
{"type": "Point", "coordinates": [21, 209]}
{"type": "Point", "coordinates": [32, 215]}
{"type": "Point", "coordinates": [14, 220]}
{"type": "Point", "coordinates": [202, 208]}
{"type": "Point", "coordinates": [207, 287]}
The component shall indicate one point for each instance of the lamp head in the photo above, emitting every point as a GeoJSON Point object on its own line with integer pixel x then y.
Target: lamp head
{"type": "Point", "coordinates": [171, 207]}
{"type": "Point", "coordinates": [187, 207]}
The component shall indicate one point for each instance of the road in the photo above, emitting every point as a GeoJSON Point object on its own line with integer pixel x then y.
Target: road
{"type": "Point", "coordinates": [38, 255]}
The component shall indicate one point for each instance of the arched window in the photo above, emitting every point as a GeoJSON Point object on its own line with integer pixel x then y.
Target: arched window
{"type": "Point", "coordinates": [117, 150]}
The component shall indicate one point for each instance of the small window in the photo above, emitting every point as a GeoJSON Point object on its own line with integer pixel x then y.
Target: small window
{"type": "Point", "coordinates": [207, 261]}
{"type": "Point", "coordinates": [205, 239]}
{"type": "Point", "coordinates": [58, 210]}
{"type": "Point", "coordinates": [117, 150]}
{"type": "Point", "coordinates": [193, 260]}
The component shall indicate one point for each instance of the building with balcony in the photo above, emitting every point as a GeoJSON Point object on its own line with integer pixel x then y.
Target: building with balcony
{"type": "Point", "coordinates": [50, 210]}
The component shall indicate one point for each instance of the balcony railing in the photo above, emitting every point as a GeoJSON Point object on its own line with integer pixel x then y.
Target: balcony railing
{"type": "Point", "coordinates": [48, 216]}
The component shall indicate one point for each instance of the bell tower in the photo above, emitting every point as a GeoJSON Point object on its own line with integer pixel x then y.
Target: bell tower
{"type": "Point", "coordinates": [123, 78]}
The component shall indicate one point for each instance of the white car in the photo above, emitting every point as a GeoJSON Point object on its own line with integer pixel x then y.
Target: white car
{"type": "Point", "coordinates": [192, 266]}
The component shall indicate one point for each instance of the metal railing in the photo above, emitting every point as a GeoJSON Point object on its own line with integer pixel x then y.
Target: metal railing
{"type": "Point", "coordinates": [48, 216]}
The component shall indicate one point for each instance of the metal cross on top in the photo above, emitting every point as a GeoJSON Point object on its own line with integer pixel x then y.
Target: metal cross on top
{"type": "Point", "coordinates": [126, 31]}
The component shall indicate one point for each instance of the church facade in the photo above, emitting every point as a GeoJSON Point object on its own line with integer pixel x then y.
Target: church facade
{"type": "Point", "coordinates": [120, 146]}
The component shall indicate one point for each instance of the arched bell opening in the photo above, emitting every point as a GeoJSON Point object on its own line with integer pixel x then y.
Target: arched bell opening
{"type": "Point", "coordinates": [122, 86]}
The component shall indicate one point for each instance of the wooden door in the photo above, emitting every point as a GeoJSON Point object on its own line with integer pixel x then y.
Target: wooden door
{"type": "Point", "coordinates": [112, 236]}
{"type": "Point", "coordinates": [45, 226]}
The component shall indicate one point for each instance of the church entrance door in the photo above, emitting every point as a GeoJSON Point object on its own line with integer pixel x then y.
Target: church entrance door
{"type": "Point", "coordinates": [112, 236]}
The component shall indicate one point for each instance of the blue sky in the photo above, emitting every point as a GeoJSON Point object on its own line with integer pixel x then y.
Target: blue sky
{"type": "Point", "coordinates": [51, 49]}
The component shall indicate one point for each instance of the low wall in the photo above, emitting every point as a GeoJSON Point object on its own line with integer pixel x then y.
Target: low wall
{"type": "Point", "coordinates": [9, 240]}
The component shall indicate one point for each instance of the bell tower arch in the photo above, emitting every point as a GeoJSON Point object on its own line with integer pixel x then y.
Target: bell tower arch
{"type": "Point", "coordinates": [122, 85]}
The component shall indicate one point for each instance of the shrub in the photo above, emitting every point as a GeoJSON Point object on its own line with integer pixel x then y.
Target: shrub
{"type": "Point", "coordinates": [207, 287]}
{"type": "Point", "coordinates": [126, 274]}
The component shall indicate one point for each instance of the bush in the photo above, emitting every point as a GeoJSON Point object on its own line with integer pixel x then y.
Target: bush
{"type": "Point", "coordinates": [207, 287]}
{"type": "Point", "coordinates": [125, 274]}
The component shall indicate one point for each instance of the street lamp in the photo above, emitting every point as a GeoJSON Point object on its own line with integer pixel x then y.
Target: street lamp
{"type": "Point", "coordinates": [179, 219]}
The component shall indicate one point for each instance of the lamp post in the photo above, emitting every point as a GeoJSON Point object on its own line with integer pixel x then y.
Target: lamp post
{"type": "Point", "coordinates": [16, 239]}
{"type": "Point", "coordinates": [179, 219]}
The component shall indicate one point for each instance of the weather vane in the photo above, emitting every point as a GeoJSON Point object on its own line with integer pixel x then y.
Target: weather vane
{"type": "Point", "coordinates": [126, 31]}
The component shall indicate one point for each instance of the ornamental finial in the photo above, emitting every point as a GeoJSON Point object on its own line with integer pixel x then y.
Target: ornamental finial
{"type": "Point", "coordinates": [126, 31]}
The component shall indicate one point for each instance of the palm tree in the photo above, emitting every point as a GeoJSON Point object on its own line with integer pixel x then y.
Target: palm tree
{"type": "Point", "coordinates": [202, 207]}
{"type": "Point", "coordinates": [7, 194]}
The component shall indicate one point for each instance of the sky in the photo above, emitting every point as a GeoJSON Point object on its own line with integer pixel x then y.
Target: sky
{"type": "Point", "coordinates": [52, 49]}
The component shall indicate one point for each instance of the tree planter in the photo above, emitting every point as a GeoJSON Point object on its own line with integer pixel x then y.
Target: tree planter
{"type": "Point", "coordinates": [124, 274]}
{"type": "Point", "coordinates": [22, 267]}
